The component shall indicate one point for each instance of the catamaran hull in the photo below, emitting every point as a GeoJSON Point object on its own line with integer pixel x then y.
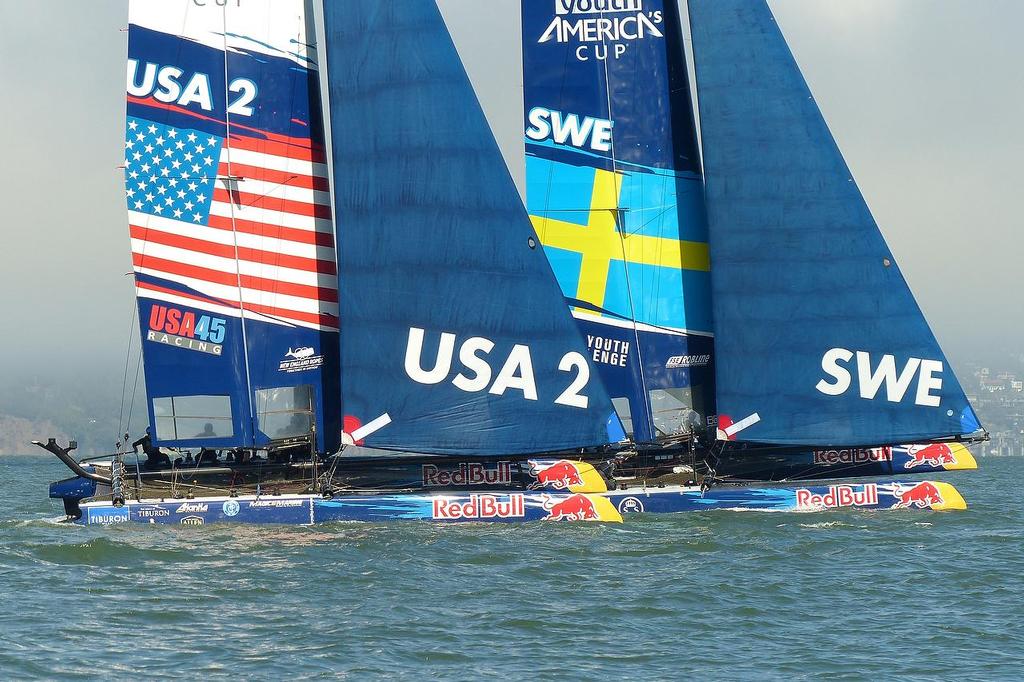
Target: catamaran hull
{"type": "Point", "coordinates": [522, 505]}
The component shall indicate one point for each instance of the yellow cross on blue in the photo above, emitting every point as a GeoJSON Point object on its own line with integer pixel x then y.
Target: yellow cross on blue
{"type": "Point", "coordinates": [601, 242]}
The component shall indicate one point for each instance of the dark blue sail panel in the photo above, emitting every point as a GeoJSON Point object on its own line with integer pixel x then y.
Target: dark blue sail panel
{"type": "Point", "coordinates": [614, 190]}
{"type": "Point", "coordinates": [230, 219]}
{"type": "Point", "coordinates": [819, 340]}
{"type": "Point", "coordinates": [455, 338]}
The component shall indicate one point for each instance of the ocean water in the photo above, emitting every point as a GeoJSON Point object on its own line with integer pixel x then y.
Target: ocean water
{"type": "Point", "coordinates": [853, 595]}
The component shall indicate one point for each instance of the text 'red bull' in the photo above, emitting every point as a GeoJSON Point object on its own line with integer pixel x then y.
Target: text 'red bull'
{"type": "Point", "coordinates": [480, 507]}
{"type": "Point", "coordinates": [852, 456]}
{"type": "Point", "coordinates": [468, 473]}
{"type": "Point", "coordinates": [838, 496]}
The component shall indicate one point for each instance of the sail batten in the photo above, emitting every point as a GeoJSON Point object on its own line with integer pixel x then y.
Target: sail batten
{"type": "Point", "coordinates": [817, 334]}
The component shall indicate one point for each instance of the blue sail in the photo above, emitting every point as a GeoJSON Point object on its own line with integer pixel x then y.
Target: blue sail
{"type": "Point", "coordinates": [615, 192]}
{"type": "Point", "coordinates": [455, 338]}
{"type": "Point", "coordinates": [229, 213]}
{"type": "Point", "coordinates": [819, 340]}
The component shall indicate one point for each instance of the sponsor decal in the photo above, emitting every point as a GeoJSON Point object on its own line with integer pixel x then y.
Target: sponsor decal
{"type": "Point", "coordinates": [601, 29]}
{"type": "Point", "coordinates": [577, 507]}
{"type": "Point", "coordinates": [631, 505]}
{"type": "Point", "coordinates": [865, 495]}
{"type": "Point", "coordinates": [467, 473]}
{"type": "Point", "coordinates": [230, 508]}
{"type": "Point", "coordinates": [480, 507]}
{"type": "Point", "coordinates": [676, 361]}
{"type": "Point", "coordinates": [192, 521]}
{"type": "Point", "coordinates": [559, 475]}
{"type": "Point", "coordinates": [276, 504]}
{"type": "Point", "coordinates": [852, 456]}
{"type": "Point", "coordinates": [185, 329]}
{"type": "Point", "coordinates": [608, 351]}
{"type": "Point", "coordinates": [108, 516]}
{"type": "Point", "coordinates": [923, 495]}
{"type": "Point", "coordinates": [192, 508]}
{"type": "Point", "coordinates": [300, 359]}
{"type": "Point", "coordinates": [935, 455]}
{"type": "Point", "coordinates": [152, 512]}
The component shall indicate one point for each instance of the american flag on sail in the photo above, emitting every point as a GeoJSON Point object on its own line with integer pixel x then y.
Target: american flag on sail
{"type": "Point", "coordinates": [242, 223]}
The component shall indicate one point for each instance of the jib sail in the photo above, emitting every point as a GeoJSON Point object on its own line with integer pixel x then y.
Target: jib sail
{"type": "Point", "coordinates": [614, 190]}
{"type": "Point", "coordinates": [230, 220]}
{"type": "Point", "coordinates": [818, 338]}
{"type": "Point", "coordinates": [455, 338]}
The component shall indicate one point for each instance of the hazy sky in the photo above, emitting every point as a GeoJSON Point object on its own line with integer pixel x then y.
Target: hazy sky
{"type": "Point", "coordinates": [925, 97]}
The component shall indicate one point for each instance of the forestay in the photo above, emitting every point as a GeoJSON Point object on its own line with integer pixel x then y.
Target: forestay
{"type": "Point", "coordinates": [819, 340]}
{"type": "Point", "coordinates": [455, 338]}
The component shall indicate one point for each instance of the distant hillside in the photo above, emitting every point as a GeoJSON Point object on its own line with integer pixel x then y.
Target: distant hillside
{"type": "Point", "coordinates": [83, 407]}
{"type": "Point", "coordinates": [17, 433]}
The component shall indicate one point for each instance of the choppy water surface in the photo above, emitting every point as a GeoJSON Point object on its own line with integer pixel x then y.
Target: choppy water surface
{"type": "Point", "coordinates": [713, 595]}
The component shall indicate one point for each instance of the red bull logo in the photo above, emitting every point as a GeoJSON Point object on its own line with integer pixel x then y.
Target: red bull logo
{"type": "Point", "coordinates": [852, 456]}
{"type": "Point", "coordinates": [577, 507]}
{"type": "Point", "coordinates": [838, 496]}
{"type": "Point", "coordinates": [480, 507]}
{"type": "Point", "coordinates": [559, 475]}
{"type": "Point", "coordinates": [468, 473]}
{"type": "Point", "coordinates": [934, 455]}
{"type": "Point", "coordinates": [923, 495]}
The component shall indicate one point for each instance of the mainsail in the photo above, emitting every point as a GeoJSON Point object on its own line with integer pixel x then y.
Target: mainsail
{"type": "Point", "coordinates": [230, 220]}
{"type": "Point", "coordinates": [455, 337]}
{"type": "Point", "coordinates": [614, 189]}
{"type": "Point", "coordinates": [819, 340]}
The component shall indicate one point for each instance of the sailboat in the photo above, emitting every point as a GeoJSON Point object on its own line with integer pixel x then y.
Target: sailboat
{"type": "Point", "coordinates": [378, 328]}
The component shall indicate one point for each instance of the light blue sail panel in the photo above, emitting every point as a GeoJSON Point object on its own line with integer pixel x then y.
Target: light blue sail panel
{"type": "Point", "coordinates": [455, 338]}
{"type": "Point", "coordinates": [818, 338]}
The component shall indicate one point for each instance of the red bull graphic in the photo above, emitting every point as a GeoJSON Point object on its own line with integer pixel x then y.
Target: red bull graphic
{"type": "Point", "coordinates": [924, 495]}
{"type": "Point", "coordinates": [559, 475]}
{"type": "Point", "coordinates": [852, 456]}
{"type": "Point", "coordinates": [575, 508]}
{"type": "Point", "coordinates": [865, 495]}
{"type": "Point", "coordinates": [481, 507]}
{"type": "Point", "coordinates": [934, 455]}
{"type": "Point", "coordinates": [467, 473]}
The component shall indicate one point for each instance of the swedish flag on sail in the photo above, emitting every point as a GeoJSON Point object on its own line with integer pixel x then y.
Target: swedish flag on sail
{"type": "Point", "coordinates": [623, 242]}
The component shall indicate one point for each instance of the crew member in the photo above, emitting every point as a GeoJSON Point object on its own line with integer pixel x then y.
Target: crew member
{"type": "Point", "coordinates": [155, 459]}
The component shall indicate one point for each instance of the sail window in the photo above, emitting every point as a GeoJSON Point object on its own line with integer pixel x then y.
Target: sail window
{"type": "Point", "coordinates": [285, 412]}
{"type": "Point", "coordinates": [673, 411]}
{"type": "Point", "coordinates": [187, 417]}
{"type": "Point", "coordinates": [622, 409]}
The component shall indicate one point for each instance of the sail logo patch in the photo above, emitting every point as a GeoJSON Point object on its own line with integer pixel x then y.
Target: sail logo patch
{"type": "Point", "coordinates": [548, 124]}
{"type": "Point", "coordinates": [677, 361]}
{"type": "Point", "coordinates": [184, 329]}
{"type": "Point", "coordinates": [871, 377]}
{"type": "Point", "coordinates": [516, 373]}
{"type": "Point", "coordinates": [603, 28]}
{"type": "Point", "coordinates": [300, 359]}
